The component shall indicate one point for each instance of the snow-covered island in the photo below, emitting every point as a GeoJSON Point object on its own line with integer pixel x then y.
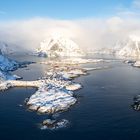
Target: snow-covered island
{"type": "Point", "coordinates": [55, 90]}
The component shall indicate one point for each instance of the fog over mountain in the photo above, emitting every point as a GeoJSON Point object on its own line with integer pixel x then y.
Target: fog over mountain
{"type": "Point", "coordinates": [89, 34]}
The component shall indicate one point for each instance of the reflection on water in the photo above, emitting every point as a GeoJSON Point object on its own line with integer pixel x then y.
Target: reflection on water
{"type": "Point", "coordinates": [103, 110]}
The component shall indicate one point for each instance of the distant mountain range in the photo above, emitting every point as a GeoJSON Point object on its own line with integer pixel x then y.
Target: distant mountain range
{"type": "Point", "coordinates": [61, 46]}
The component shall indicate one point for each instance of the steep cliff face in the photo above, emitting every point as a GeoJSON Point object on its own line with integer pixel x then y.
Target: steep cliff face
{"type": "Point", "coordinates": [57, 47]}
{"type": "Point", "coordinates": [9, 48]}
{"type": "Point", "coordinates": [130, 47]}
{"type": "Point", "coordinates": [7, 64]}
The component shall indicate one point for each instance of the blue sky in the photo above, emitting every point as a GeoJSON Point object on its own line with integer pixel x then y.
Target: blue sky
{"type": "Point", "coordinates": [60, 9]}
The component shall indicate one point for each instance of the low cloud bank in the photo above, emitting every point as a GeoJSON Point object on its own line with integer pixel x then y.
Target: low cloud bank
{"type": "Point", "coordinates": [87, 33]}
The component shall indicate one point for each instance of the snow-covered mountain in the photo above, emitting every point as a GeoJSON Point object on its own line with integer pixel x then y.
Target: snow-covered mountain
{"type": "Point", "coordinates": [7, 76]}
{"type": "Point", "coordinates": [4, 47]}
{"type": "Point", "coordinates": [8, 48]}
{"type": "Point", "coordinates": [55, 47]}
{"type": "Point", "coordinates": [7, 64]}
{"type": "Point", "coordinates": [129, 48]}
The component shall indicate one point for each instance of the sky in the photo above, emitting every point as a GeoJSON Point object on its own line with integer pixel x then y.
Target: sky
{"type": "Point", "coordinates": [60, 9]}
{"type": "Point", "coordinates": [91, 24]}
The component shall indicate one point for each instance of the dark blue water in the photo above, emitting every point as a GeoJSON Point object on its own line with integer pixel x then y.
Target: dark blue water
{"type": "Point", "coordinates": [103, 110]}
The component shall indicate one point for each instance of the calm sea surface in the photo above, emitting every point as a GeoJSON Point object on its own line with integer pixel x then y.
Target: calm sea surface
{"type": "Point", "coordinates": [103, 111]}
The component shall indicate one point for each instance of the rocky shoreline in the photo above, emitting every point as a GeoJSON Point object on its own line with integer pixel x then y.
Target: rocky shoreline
{"type": "Point", "coordinates": [55, 91]}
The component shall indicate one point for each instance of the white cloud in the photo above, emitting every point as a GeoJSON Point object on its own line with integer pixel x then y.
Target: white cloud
{"type": "Point", "coordinates": [88, 33]}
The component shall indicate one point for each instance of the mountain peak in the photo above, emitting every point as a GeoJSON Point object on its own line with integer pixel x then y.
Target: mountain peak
{"type": "Point", "coordinates": [59, 46]}
{"type": "Point", "coordinates": [130, 47]}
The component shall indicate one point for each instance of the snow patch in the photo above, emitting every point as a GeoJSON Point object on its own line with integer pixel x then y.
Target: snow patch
{"type": "Point", "coordinates": [54, 124]}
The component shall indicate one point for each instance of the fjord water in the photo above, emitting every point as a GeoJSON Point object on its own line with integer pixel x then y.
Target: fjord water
{"type": "Point", "coordinates": [103, 110]}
